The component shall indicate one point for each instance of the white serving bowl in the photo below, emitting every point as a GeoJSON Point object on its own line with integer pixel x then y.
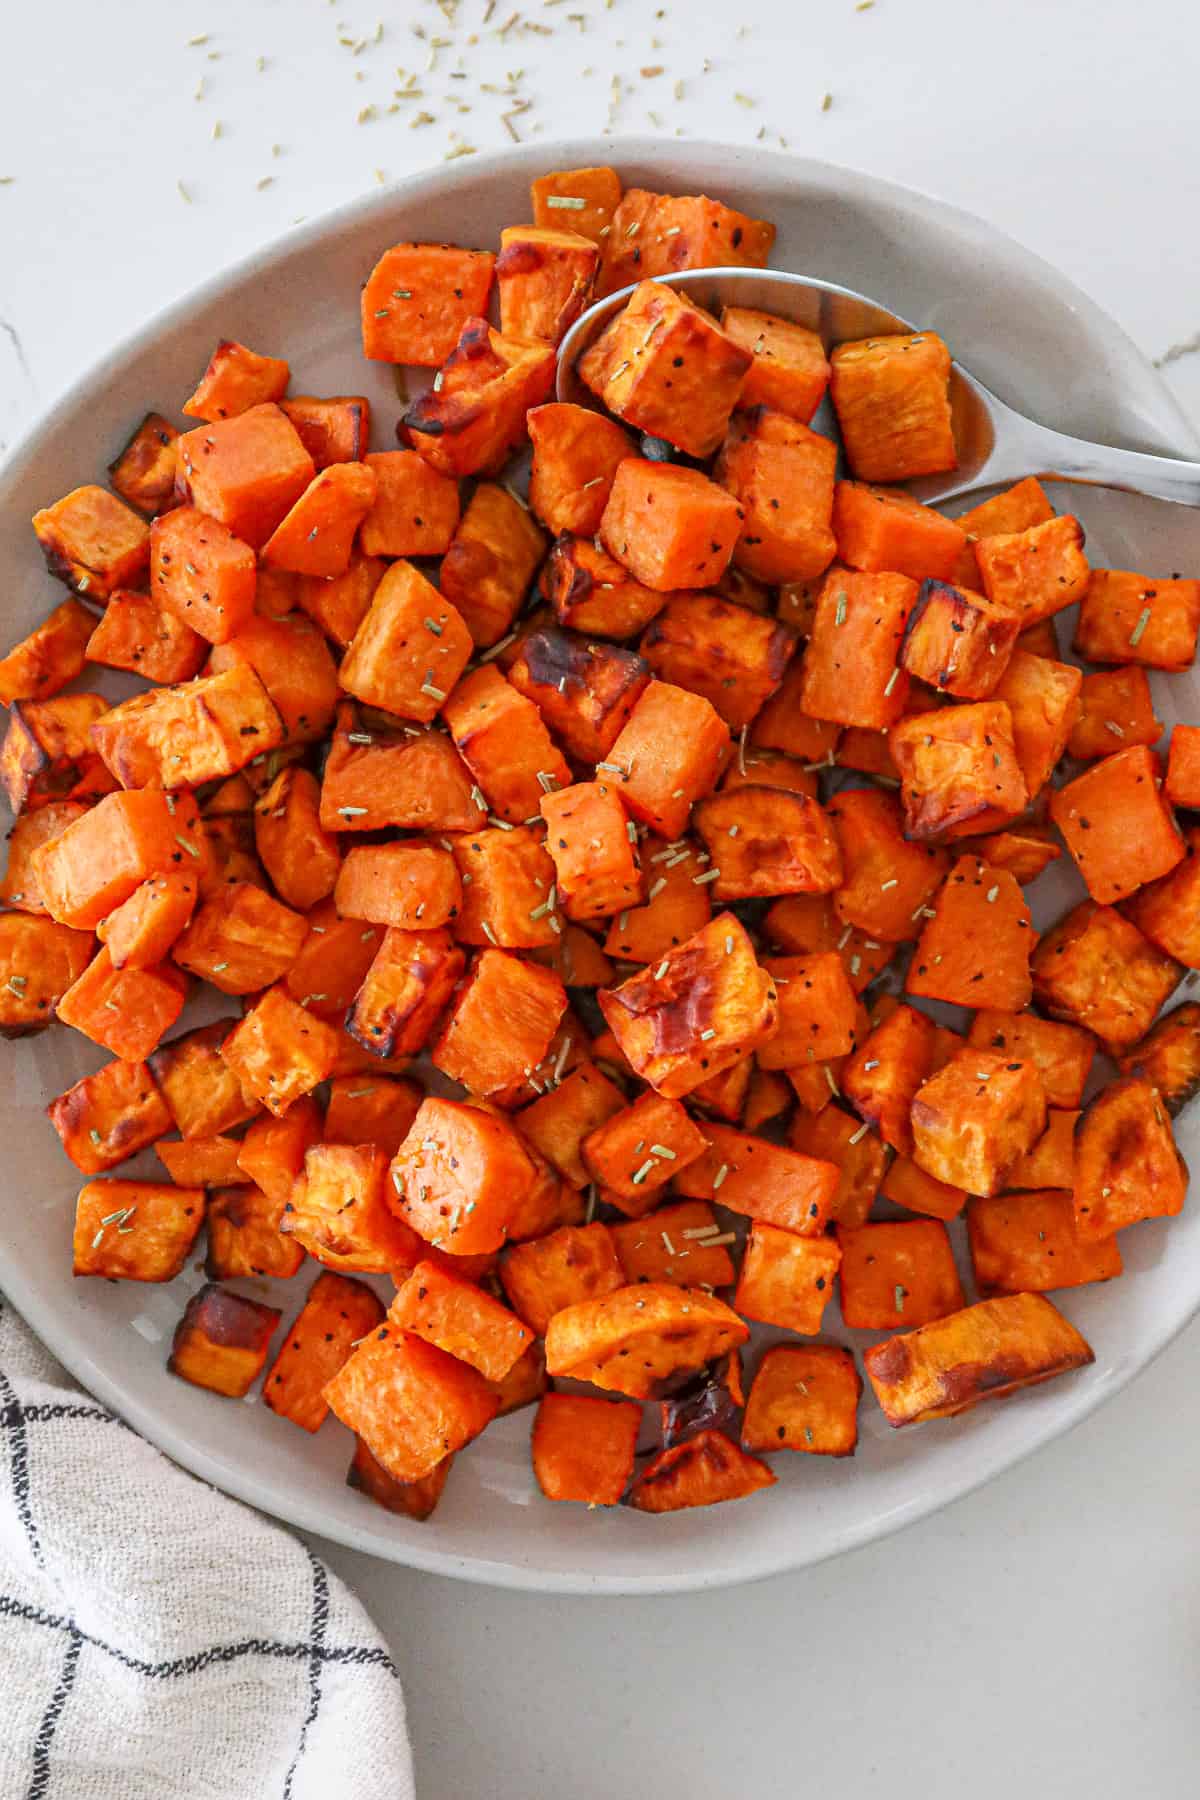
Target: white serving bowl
{"type": "Point", "coordinates": [1035, 340]}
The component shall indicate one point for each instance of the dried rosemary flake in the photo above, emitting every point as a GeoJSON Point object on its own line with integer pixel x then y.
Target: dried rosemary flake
{"type": "Point", "coordinates": [352, 812]}
{"type": "Point", "coordinates": [708, 875]}
{"type": "Point", "coordinates": [710, 1032]}
{"type": "Point", "coordinates": [1135, 636]}
{"type": "Point", "coordinates": [720, 1175]}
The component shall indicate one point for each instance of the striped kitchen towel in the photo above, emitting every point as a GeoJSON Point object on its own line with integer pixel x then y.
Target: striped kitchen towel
{"type": "Point", "coordinates": [159, 1641]}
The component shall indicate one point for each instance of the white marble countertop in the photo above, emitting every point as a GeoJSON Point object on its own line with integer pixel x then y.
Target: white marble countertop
{"type": "Point", "coordinates": [1042, 1633]}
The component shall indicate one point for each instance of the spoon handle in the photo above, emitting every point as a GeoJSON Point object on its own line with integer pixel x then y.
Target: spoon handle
{"type": "Point", "coordinates": [1022, 447]}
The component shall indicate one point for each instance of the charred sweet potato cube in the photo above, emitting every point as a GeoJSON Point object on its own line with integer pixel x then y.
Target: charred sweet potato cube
{"type": "Point", "coordinates": [1042, 696]}
{"type": "Point", "coordinates": [1051, 1162]}
{"type": "Point", "coordinates": [380, 774]}
{"type": "Point", "coordinates": [1128, 618]}
{"type": "Point", "coordinates": [883, 1075]}
{"type": "Point", "coordinates": [1127, 1166]}
{"type": "Point", "coordinates": [236, 378]}
{"type": "Point", "coordinates": [884, 528]}
{"type": "Point", "coordinates": [52, 655]}
{"type": "Point", "coordinates": [1183, 766]}
{"type": "Point", "coordinates": [782, 475]}
{"type": "Point", "coordinates": [222, 1340]}
{"type": "Point", "coordinates": [1169, 1057]}
{"type": "Point", "coordinates": [40, 962]}
{"type": "Point", "coordinates": [1062, 1054]}
{"type": "Point", "coordinates": [544, 277]}
{"type": "Point", "coordinates": [407, 884]}
{"type": "Point", "coordinates": [136, 634]}
{"type": "Point", "coordinates": [975, 950]}
{"type": "Point", "coordinates": [109, 1116]}
{"type": "Point", "coordinates": [280, 1051]}
{"type": "Point", "coordinates": [659, 234]}
{"type": "Point", "coordinates": [410, 1402]}
{"type": "Point", "coordinates": [499, 1025]}
{"type": "Point", "coordinates": [958, 768]}
{"type": "Point", "coordinates": [669, 525]}
{"type": "Point", "coordinates": [980, 1353]}
{"type": "Point", "coordinates": [467, 423]}
{"type": "Point", "coordinates": [908, 1186]}
{"type": "Point", "coordinates": [244, 1236]}
{"type": "Point", "coordinates": [817, 1011]}
{"type": "Point", "coordinates": [19, 886]}
{"type": "Point", "coordinates": [417, 299]}
{"type": "Point", "coordinates": [1028, 1244]}
{"type": "Point", "coordinates": [316, 536]}
{"type": "Point", "coordinates": [897, 1273]}
{"type": "Point", "coordinates": [715, 648]}
{"type": "Point", "coordinates": [583, 1447]}
{"type": "Point", "coordinates": [241, 940]}
{"type": "Point", "coordinates": [584, 199]}
{"type": "Point", "coordinates": [575, 457]}
{"type": "Point", "coordinates": [714, 1399]}
{"type": "Point", "coordinates": [500, 736]}
{"type": "Point", "coordinates": [834, 1137]}
{"type": "Point", "coordinates": [272, 1153]}
{"type": "Point", "coordinates": [892, 400]}
{"type": "Point", "coordinates": [414, 510]}
{"type": "Point", "coordinates": [299, 855]}
{"type": "Point", "coordinates": [1037, 572]}
{"type": "Point", "coordinates": [337, 605]}
{"type": "Point", "coordinates": [669, 754]}
{"type": "Point", "coordinates": [336, 429]}
{"type": "Point", "coordinates": [786, 1280]}
{"type": "Point", "coordinates": [1016, 509]}
{"type": "Point", "coordinates": [584, 691]}
{"type": "Point", "coordinates": [195, 732]}
{"type": "Point", "coordinates": [851, 669]}
{"type": "Point", "coordinates": [667, 368]}
{"type": "Point", "coordinates": [886, 881]}
{"type": "Point", "coordinates": [789, 371]}
{"type": "Point", "coordinates": [959, 641]}
{"type": "Point", "coordinates": [683, 1244]}
{"type": "Point", "coordinates": [459, 1176]}
{"type": "Point", "coordinates": [766, 841]}
{"type": "Point", "coordinates": [630, 1340]}
{"type": "Point", "coordinates": [1116, 711]}
{"type": "Point", "coordinates": [246, 472]}
{"type": "Point", "coordinates": [675, 908]}
{"type": "Point", "coordinates": [144, 473]}
{"type": "Point", "coordinates": [142, 930]}
{"type": "Point", "coordinates": [1117, 825]}
{"type": "Point", "coordinates": [508, 897]}
{"type": "Point", "coordinates": [804, 1397]}
{"type": "Point", "coordinates": [491, 561]}
{"type": "Point", "coordinates": [701, 1471]}
{"type": "Point", "coordinates": [410, 649]}
{"type": "Point", "coordinates": [663, 1017]}
{"type": "Point", "coordinates": [640, 1148]}
{"type": "Point", "coordinates": [202, 1094]}
{"type": "Point", "coordinates": [560, 1121]}
{"type": "Point", "coordinates": [48, 753]}
{"type": "Point", "coordinates": [548, 1274]}
{"type": "Point", "coordinates": [339, 1211]}
{"type": "Point", "coordinates": [974, 1118]}
{"type": "Point", "coordinates": [408, 1499]}
{"type": "Point", "coordinates": [1095, 969]}
{"type": "Point", "coordinates": [135, 1230]}
{"type": "Point", "coordinates": [337, 1313]}
{"type": "Point", "coordinates": [127, 1010]}
{"type": "Point", "coordinates": [93, 542]}
{"type": "Point", "coordinates": [762, 1180]}
{"type": "Point", "coordinates": [405, 989]}
{"type": "Point", "coordinates": [594, 863]}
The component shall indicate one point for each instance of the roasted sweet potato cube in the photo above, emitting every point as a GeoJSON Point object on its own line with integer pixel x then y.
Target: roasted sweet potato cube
{"type": "Point", "coordinates": [1183, 766]}
{"type": "Point", "coordinates": [409, 1499]}
{"type": "Point", "coordinates": [40, 962]}
{"type": "Point", "coordinates": [333, 961]}
{"type": "Point", "coordinates": [339, 1211]}
{"type": "Point", "coordinates": [1169, 1057]}
{"type": "Point", "coordinates": [585, 691]}
{"type": "Point", "coordinates": [411, 1403]}
{"type": "Point", "coordinates": [786, 1280]}
{"type": "Point", "coordinates": [886, 881]}
{"type": "Point", "coordinates": [558, 1123]}
{"type": "Point", "coordinates": [202, 1093]}
{"type": "Point", "coordinates": [714, 1399]}
{"type": "Point", "coordinates": [459, 1176]}
{"type": "Point", "coordinates": [959, 641]}
{"type": "Point", "coordinates": [578, 959]}
{"type": "Point", "coordinates": [467, 423]}
{"type": "Point", "coordinates": [544, 276]}
{"type": "Point", "coordinates": [908, 1186]}
{"type": "Point", "coordinates": [246, 472]}
{"type": "Point", "coordinates": [378, 1110]}
{"type": "Point", "coordinates": [1097, 970]}
{"type": "Point", "coordinates": [508, 897]}
{"type": "Point", "coordinates": [201, 1162]}
{"type": "Point", "coordinates": [460, 1318]}
{"type": "Point", "coordinates": [675, 908]}
{"type": "Point", "coordinates": [491, 561]}
{"type": "Point", "coordinates": [142, 930]}
{"type": "Point", "coordinates": [594, 863]}
{"type": "Point", "coordinates": [630, 1340]}
{"type": "Point", "coordinates": [137, 634]}
{"type": "Point", "coordinates": [575, 457]}
{"type": "Point", "coordinates": [765, 841]}
{"type": "Point", "coordinates": [683, 1244]}
{"type": "Point", "coordinates": [1062, 1054]}
{"type": "Point", "coordinates": [1128, 618]}
{"type": "Point", "coordinates": [701, 1471]}
{"type": "Point", "coordinates": [851, 670]}
{"type": "Point", "coordinates": [1117, 711]}
{"type": "Point", "coordinates": [413, 511]}
{"type": "Point", "coordinates": [19, 886]}
{"type": "Point", "coordinates": [126, 1011]}
{"type": "Point", "coordinates": [897, 1273]}
{"type": "Point", "coordinates": [662, 1017]}
{"type": "Point", "coordinates": [834, 1137]}
{"type": "Point", "coordinates": [782, 475]}
{"type": "Point", "coordinates": [276, 592]}
{"type": "Point", "coordinates": [280, 1051]}
{"type": "Point", "coordinates": [135, 1230]}
{"type": "Point", "coordinates": [659, 234]}
{"type": "Point", "coordinates": [789, 370]}
{"type": "Point", "coordinates": [52, 655]}
{"type": "Point", "coordinates": [1042, 697]}
{"type": "Point", "coordinates": [817, 1011]}
{"type": "Point", "coordinates": [417, 299]}
{"type": "Point", "coordinates": [640, 1148]}
{"type": "Point", "coordinates": [975, 950]}
{"type": "Point", "coordinates": [1127, 1166]}
{"type": "Point", "coordinates": [667, 756]}
{"type": "Point", "coordinates": [804, 1397]}
{"type": "Point", "coordinates": [583, 1447]}
{"type": "Point", "coordinates": [144, 473]}
{"type": "Point", "coordinates": [768, 1098]}
{"type": "Point", "coordinates": [807, 923]}
{"type": "Point", "coordinates": [336, 429]}
{"type": "Point", "coordinates": [405, 989]}
{"type": "Point", "coordinates": [337, 1313]}
{"type": "Point", "coordinates": [958, 768]}
{"type": "Point", "coordinates": [93, 542]}
{"type": "Point", "coordinates": [501, 737]}
{"type": "Point", "coordinates": [1016, 509]}
{"type": "Point", "coordinates": [974, 1118]}
{"type": "Point", "coordinates": [723, 1095]}
{"type": "Point", "coordinates": [338, 605]}
{"type": "Point", "coordinates": [883, 1075]}
{"type": "Point", "coordinates": [316, 536]}
{"type": "Point", "coordinates": [272, 1153]}
{"type": "Point", "coordinates": [1028, 1244]}
{"type": "Point", "coordinates": [48, 752]}
{"type": "Point", "coordinates": [244, 1236]}
{"type": "Point", "coordinates": [241, 940]}
{"type": "Point", "coordinates": [407, 884]}
{"type": "Point", "coordinates": [1038, 572]}
{"type": "Point", "coordinates": [573, 1264]}
{"type": "Point", "coordinates": [1026, 851]}
{"type": "Point", "coordinates": [891, 396]}
{"type": "Point", "coordinates": [380, 774]}
{"type": "Point", "coordinates": [669, 525]}
{"type": "Point", "coordinates": [183, 736]}
{"type": "Point", "coordinates": [499, 1025]}
{"type": "Point", "coordinates": [1117, 825]}
{"type": "Point", "coordinates": [715, 648]}
{"type": "Point", "coordinates": [236, 378]}
{"type": "Point", "coordinates": [884, 528]}
{"type": "Point", "coordinates": [222, 1340]}
{"type": "Point", "coordinates": [980, 1353]}
{"type": "Point", "coordinates": [409, 650]}
{"type": "Point", "coordinates": [109, 1116]}
{"type": "Point", "coordinates": [770, 768]}
{"type": "Point", "coordinates": [299, 855]}
{"type": "Point", "coordinates": [1051, 1162]}
{"type": "Point", "coordinates": [761, 1180]}
{"type": "Point", "coordinates": [584, 199]}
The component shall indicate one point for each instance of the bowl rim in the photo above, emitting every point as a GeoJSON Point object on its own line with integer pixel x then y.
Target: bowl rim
{"type": "Point", "coordinates": [155, 1424]}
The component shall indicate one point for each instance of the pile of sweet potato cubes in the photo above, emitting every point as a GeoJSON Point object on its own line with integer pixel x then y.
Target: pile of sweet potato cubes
{"type": "Point", "coordinates": [577, 870]}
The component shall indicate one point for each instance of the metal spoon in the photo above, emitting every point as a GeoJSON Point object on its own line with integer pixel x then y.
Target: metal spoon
{"type": "Point", "coordinates": [995, 443]}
